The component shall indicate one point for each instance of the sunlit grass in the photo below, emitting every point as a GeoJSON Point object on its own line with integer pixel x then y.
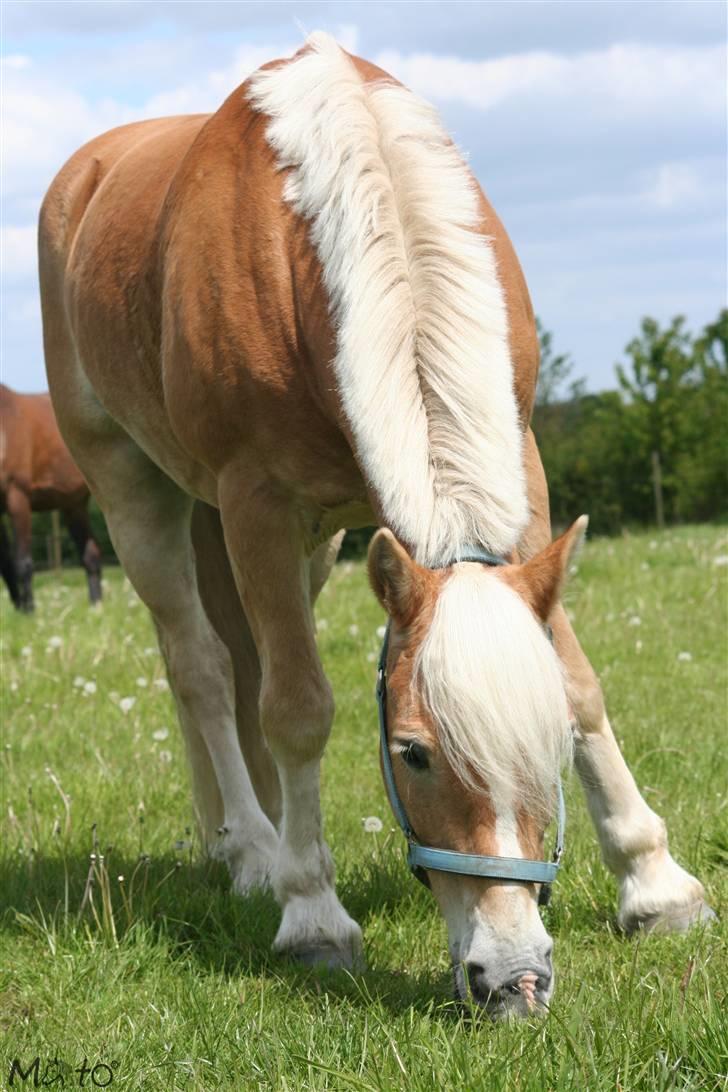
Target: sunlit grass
{"type": "Point", "coordinates": [118, 942]}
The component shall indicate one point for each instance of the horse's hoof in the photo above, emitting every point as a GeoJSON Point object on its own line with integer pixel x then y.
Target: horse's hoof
{"type": "Point", "coordinates": [678, 920]}
{"type": "Point", "coordinates": [327, 957]}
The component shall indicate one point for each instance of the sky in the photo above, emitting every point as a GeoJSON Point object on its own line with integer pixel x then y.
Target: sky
{"type": "Point", "coordinates": [597, 129]}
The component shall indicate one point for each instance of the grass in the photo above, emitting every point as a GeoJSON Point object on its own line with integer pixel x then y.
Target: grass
{"type": "Point", "coordinates": [166, 977]}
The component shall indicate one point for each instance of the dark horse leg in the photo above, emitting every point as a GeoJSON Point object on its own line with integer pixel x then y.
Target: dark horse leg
{"type": "Point", "coordinates": [7, 565]}
{"type": "Point", "coordinates": [79, 528]}
{"type": "Point", "coordinates": [18, 506]}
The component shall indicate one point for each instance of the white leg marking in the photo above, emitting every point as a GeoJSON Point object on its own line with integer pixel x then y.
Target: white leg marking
{"type": "Point", "coordinates": [654, 891]}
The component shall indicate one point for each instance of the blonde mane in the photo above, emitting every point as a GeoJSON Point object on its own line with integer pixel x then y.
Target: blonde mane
{"type": "Point", "coordinates": [493, 684]}
{"type": "Point", "coordinates": [422, 359]}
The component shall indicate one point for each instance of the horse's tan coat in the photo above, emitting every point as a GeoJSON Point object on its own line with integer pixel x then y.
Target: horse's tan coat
{"type": "Point", "coordinates": [188, 345]}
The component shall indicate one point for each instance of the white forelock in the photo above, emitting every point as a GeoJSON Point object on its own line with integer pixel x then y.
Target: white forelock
{"type": "Point", "coordinates": [422, 359]}
{"type": "Point", "coordinates": [493, 684]}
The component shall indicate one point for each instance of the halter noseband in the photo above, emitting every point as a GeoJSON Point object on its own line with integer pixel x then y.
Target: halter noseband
{"type": "Point", "coordinates": [419, 857]}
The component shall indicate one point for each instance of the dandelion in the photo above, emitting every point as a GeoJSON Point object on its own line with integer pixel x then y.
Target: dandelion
{"type": "Point", "coordinates": [322, 624]}
{"type": "Point", "coordinates": [644, 567]}
{"type": "Point", "coordinates": [13, 686]}
{"type": "Point", "coordinates": [149, 651]}
{"type": "Point", "coordinates": [371, 657]}
{"type": "Point", "coordinates": [79, 682]}
{"type": "Point", "coordinates": [353, 629]}
{"type": "Point", "coordinates": [653, 544]}
{"type": "Point", "coordinates": [26, 650]}
{"type": "Point", "coordinates": [160, 735]}
{"type": "Point", "coordinates": [161, 684]}
{"type": "Point", "coordinates": [372, 824]}
{"type": "Point", "coordinates": [635, 620]}
{"type": "Point", "coordinates": [684, 657]}
{"type": "Point", "coordinates": [141, 682]}
{"type": "Point", "coordinates": [165, 756]}
{"type": "Point", "coordinates": [126, 704]}
{"type": "Point", "coordinates": [89, 687]}
{"type": "Point", "coordinates": [381, 631]}
{"type": "Point", "coordinates": [638, 646]}
{"type": "Point", "coordinates": [55, 642]}
{"type": "Point", "coordinates": [720, 560]}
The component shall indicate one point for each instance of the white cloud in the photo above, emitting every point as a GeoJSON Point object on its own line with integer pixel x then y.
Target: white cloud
{"type": "Point", "coordinates": [675, 185]}
{"type": "Point", "coordinates": [18, 250]}
{"type": "Point", "coordinates": [640, 79]}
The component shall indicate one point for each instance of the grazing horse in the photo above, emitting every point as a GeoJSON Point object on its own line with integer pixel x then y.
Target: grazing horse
{"type": "Point", "coordinates": [37, 474]}
{"type": "Point", "coordinates": [300, 314]}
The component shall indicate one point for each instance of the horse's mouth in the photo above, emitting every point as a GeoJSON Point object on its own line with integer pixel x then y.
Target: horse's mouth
{"type": "Point", "coordinates": [521, 998]}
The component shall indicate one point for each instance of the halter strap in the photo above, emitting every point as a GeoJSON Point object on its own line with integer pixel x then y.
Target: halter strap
{"type": "Point", "coordinates": [419, 857]}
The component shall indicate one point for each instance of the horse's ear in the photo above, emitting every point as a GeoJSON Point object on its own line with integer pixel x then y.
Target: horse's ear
{"type": "Point", "coordinates": [541, 579]}
{"type": "Point", "coordinates": [397, 581]}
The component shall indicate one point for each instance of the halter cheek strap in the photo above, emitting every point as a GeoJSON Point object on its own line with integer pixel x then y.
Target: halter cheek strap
{"type": "Point", "coordinates": [422, 858]}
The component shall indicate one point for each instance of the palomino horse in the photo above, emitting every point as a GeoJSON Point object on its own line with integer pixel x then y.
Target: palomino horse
{"type": "Point", "coordinates": [300, 314]}
{"type": "Point", "coordinates": [37, 474]}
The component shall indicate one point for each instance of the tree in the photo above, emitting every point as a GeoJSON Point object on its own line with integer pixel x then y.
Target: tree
{"type": "Point", "coordinates": [554, 370]}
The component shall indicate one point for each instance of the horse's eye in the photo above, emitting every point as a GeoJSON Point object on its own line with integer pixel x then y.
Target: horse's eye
{"type": "Point", "coordinates": [415, 756]}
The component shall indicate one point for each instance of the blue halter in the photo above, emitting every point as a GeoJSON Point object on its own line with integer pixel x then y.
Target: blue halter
{"type": "Point", "coordinates": [419, 857]}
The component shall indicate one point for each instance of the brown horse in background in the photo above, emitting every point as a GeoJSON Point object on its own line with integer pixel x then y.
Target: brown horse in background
{"type": "Point", "coordinates": [37, 474]}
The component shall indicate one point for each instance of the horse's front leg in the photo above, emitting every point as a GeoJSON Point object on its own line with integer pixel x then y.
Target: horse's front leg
{"type": "Point", "coordinates": [274, 579]}
{"type": "Point", "coordinates": [655, 893]}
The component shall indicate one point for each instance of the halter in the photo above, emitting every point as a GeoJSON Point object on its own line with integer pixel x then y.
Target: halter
{"type": "Point", "coordinates": [419, 857]}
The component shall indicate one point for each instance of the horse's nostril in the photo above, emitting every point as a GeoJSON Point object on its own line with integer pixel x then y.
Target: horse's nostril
{"type": "Point", "coordinates": [476, 981]}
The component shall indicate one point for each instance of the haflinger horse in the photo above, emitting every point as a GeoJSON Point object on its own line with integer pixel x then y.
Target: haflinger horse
{"type": "Point", "coordinates": [300, 314]}
{"type": "Point", "coordinates": [37, 474]}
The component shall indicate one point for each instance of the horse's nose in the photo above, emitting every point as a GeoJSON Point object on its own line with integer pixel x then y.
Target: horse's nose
{"type": "Point", "coordinates": [532, 985]}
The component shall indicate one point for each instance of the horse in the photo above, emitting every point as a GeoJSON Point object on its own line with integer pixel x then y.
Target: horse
{"type": "Point", "coordinates": [37, 474]}
{"type": "Point", "coordinates": [300, 314]}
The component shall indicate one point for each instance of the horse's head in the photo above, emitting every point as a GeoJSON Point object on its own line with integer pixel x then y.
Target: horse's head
{"type": "Point", "coordinates": [478, 730]}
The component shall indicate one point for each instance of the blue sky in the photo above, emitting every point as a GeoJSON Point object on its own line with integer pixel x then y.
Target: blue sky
{"type": "Point", "coordinates": [597, 129]}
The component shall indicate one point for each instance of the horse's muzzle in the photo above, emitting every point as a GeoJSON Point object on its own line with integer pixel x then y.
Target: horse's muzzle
{"type": "Point", "coordinates": [525, 993]}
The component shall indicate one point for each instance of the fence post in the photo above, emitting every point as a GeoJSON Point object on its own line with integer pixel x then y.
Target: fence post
{"type": "Point", "coordinates": [657, 486]}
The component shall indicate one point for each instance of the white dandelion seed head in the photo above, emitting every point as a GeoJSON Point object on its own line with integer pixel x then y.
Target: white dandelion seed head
{"type": "Point", "coordinates": [353, 629]}
{"type": "Point", "coordinates": [26, 650]}
{"type": "Point", "coordinates": [381, 630]}
{"type": "Point", "coordinates": [55, 641]}
{"type": "Point", "coordinates": [126, 704]}
{"type": "Point", "coordinates": [161, 684]}
{"type": "Point", "coordinates": [89, 687]}
{"type": "Point", "coordinates": [372, 824]}
{"type": "Point", "coordinates": [684, 657]}
{"type": "Point", "coordinates": [79, 681]}
{"type": "Point", "coordinates": [141, 682]}
{"type": "Point", "coordinates": [635, 620]}
{"type": "Point", "coordinates": [161, 734]}
{"type": "Point", "coordinates": [720, 560]}
{"type": "Point", "coordinates": [322, 624]}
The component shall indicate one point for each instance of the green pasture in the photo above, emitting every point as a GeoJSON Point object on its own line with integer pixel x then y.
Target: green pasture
{"type": "Point", "coordinates": [141, 963]}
